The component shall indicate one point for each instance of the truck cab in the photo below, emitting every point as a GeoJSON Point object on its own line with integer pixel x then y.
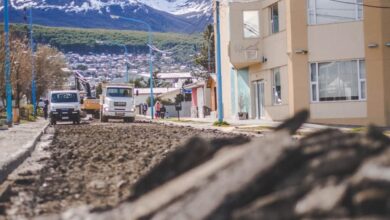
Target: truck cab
{"type": "Point", "coordinates": [64, 105]}
{"type": "Point", "coordinates": [117, 102]}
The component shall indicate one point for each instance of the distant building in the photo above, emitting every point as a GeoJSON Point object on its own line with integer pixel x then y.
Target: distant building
{"type": "Point", "coordinates": [176, 78]}
{"type": "Point", "coordinates": [204, 99]}
{"type": "Point", "coordinates": [144, 93]}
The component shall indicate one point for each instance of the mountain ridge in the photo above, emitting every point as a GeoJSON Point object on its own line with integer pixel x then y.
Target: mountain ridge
{"type": "Point", "coordinates": [181, 16]}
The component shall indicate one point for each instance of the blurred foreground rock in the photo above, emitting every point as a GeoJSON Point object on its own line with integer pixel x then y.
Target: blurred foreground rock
{"type": "Point", "coordinates": [328, 174]}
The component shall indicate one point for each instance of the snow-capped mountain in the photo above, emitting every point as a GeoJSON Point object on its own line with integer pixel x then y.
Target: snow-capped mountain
{"type": "Point", "coordinates": [163, 15]}
{"type": "Point", "coordinates": [181, 7]}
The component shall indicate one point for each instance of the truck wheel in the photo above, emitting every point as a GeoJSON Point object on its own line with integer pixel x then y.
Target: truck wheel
{"type": "Point", "coordinates": [128, 120]}
{"type": "Point", "coordinates": [103, 118]}
{"type": "Point", "coordinates": [96, 115]}
{"type": "Point", "coordinates": [52, 121]}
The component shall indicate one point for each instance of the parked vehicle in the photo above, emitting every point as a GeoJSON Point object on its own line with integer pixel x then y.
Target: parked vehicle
{"type": "Point", "coordinates": [117, 102]}
{"type": "Point", "coordinates": [41, 103]}
{"type": "Point", "coordinates": [64, 105]}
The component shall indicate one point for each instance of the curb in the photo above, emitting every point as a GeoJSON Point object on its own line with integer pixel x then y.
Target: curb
{"type": "Point", "coordinates": [21, 156]}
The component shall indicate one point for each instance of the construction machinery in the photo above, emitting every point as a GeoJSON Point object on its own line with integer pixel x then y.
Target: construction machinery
{"type": "Point", "coordinates": [90, 104]}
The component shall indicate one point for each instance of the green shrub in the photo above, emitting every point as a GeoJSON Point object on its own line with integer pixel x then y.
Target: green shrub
{"type": "Point", "coordinates": [221, 124]}
{"type": "Point", "coordinates": [26, 113]}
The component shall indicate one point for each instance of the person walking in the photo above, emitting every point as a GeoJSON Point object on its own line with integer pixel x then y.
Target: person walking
{"type": "Point", "coordinates": [45, 109]}
{"type": "Point", "coordinates": [162, 112]}
{"type": "Point", "coordinates": [141, 108]}
{"type": "Point", "coordinates": [158, 109]}
{"type": "Point", "coordinates": [145, 108]}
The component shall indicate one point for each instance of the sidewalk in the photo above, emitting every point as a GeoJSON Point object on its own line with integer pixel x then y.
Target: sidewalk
{"type": "Point", "coordinates": [251, 125]}
{"type": "Point", "coordinates": [17, 143]}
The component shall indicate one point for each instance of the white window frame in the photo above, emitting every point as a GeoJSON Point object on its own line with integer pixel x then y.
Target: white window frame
{"type": "Point", "coordinates": [362, 80]}
{"type": "Point", "coordinates": [271, 17]}
{"type": "Point", "coordinates": [315, 82]}
{"type": "Point", "coordinates": [258, 24]}
{"type": "Point", "coordinates": [274, 101]}
{"type": "Point", "coordinates": [314, 10]}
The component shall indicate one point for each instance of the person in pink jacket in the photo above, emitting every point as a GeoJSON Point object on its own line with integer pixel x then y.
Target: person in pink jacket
{"type": "Point", "coordinates": [157, 106]}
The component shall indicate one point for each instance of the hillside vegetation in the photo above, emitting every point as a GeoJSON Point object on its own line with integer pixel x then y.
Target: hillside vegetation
{"type": "Point", "coordinates": [84, 40]}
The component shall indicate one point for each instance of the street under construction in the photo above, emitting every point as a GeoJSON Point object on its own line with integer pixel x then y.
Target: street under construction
{"type": "Point", "coordinates": [94, 163]}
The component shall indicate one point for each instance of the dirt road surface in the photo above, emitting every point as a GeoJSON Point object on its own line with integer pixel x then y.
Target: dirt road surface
{"type": "Point", "coordinates": [94, 164]}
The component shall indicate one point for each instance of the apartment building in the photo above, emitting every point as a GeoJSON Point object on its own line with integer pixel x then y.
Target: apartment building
{"type": "Point", "coordinates": [329, 56]}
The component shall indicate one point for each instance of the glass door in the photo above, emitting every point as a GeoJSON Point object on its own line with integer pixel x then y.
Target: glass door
{"type": "Point", "coordinates": [259, 98]}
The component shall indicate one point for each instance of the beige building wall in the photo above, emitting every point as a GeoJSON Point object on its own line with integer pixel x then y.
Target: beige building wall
{"type": "Point", "coordinates": [340, 41]}
{"type": "Point", "coordinates": [297, 39]}
{"type": "Point", "coordinates": [272, 111]}
{"type": "Point", "coordinates": [225, 63]}
{"type": "Point", "coordinates": [335, 42]}
{"type": "Point", "coordinates": [325, 42]}
{"type": "Point", "coordinates": [377, 32]}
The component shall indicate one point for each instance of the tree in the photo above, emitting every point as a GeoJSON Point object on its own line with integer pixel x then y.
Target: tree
{"type": "Point", "coordinates": [140, 83]}
{"type": "Point", "coordinates": [48, 65]}
{"type": "Point", "coordinates": [206, 58]}
{"type": "Point", "coordinates": [49, 75]}
{"type": "Point", "coordinates": [157, 82]}
{"type": "Point", "coordinates": [99, 90]}
{"type": "Point", "coordinates": [162, 101]}
{"type": "Point", "coordinates": [81, 67]}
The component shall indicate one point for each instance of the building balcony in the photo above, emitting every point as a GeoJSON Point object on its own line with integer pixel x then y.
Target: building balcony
{"type": "Point", "coordinates": [243, 53]}
{"type": "Point", "coordinates": [245, 41]}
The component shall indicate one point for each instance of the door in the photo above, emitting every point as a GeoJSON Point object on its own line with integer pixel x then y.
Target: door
{"type": "Point", "coordinates": [259, 98]}
{"type": "Point", "coordinates": [200, 94]}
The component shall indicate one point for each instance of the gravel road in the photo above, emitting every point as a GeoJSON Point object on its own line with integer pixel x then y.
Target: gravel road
{"type": "Point", "coordinates": [94, 164]}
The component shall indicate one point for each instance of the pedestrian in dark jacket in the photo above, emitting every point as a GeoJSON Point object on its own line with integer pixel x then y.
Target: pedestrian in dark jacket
{"type": "Point", "coordinates": [162, 112]}
{"type": "Point", "coordinates": [145, 108]}
{"type": "Point", "coordinates": [45, 109]}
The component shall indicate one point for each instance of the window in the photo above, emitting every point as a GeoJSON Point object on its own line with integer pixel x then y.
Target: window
{"type": "Point", "coordinates": [274, 19]}
{"type": "Point", "coordinates": [328, 11]}
{"type": "Point", "coordinates": [362, 80]}
{"type": "Point", "coordinates": [338, 81]}
{"type": "Point", "coordinates": [119, 92]}
{"type": "Point", "coordinates": [276, 87]}
{"type": "Point", "coordinates": [64, 97]}
{"type": "Point", "coordinates": [251, 24]}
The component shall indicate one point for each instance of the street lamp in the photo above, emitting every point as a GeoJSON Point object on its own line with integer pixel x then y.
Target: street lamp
{"type": "Point", "coordinates": [126, 55]}
{"type": "Point", "coordinates": [150, 57]}
{"type": "Point", "coordinates": [33, 84]}
{"type": "Point", "coordinates": [219, 75]}
{"type": "Point", "coordinates": [8, 88]}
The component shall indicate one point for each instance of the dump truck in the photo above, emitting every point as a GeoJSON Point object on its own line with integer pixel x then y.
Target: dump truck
{"type": "Point", "coordinates": [117, 102]}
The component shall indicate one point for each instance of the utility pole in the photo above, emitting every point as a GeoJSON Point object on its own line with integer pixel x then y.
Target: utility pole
{"type": "Point", "coordinates": [209, 54]}
{"type": "Point", "coordinates": [219, 75]}
{"type": "Point", "coordinates": [8, 88]}
{"type": "Point", "coordinates": [33, 85]}
{"type": "Point", "coordinates": [127, 64]}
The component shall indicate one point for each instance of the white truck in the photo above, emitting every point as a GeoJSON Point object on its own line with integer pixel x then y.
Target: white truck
{"type": "Point", "coordinates": [64, 105]}
{"type": "Point", "coordinates": [117, 102]}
